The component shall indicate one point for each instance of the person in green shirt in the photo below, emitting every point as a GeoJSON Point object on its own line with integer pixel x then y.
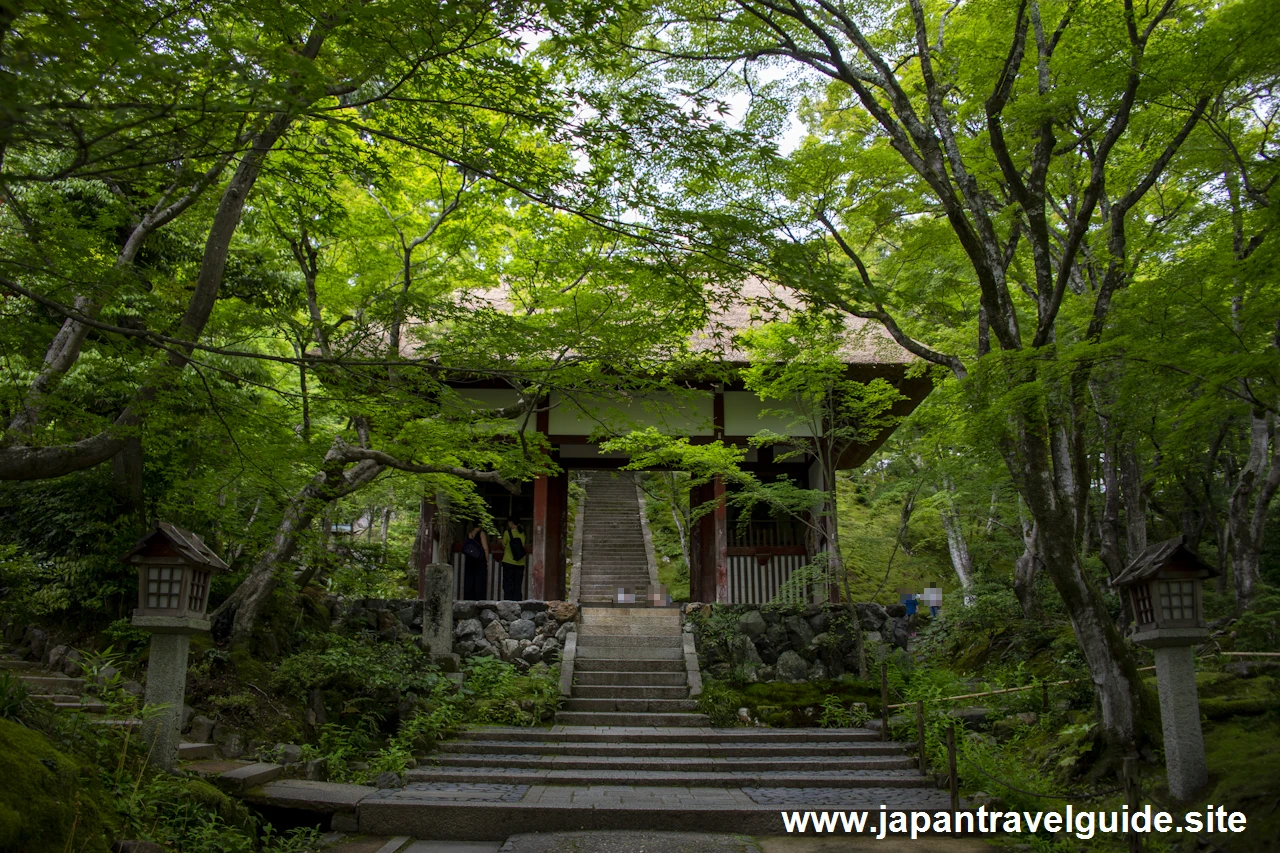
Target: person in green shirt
{"type": "Point", "coordinates": [514, 553]}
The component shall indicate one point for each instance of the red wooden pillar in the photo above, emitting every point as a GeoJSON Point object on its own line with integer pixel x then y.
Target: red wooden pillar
{"type": "Point", "coordinates": [539, 547]}
{"type": "Point", "coordinates": [557, 524]}
{"type": "Point", "coordinates": [721, 541]}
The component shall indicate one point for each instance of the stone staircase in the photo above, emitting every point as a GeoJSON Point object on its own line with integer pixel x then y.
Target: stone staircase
{"type": "Point", "coordinates": [63, 692]}
{"type": "Point", "coordinates": [75, 694]}
{"type": "Point", "coordinates": [614, 559]}
{"type": "Point", "coordinates": [629, 670]}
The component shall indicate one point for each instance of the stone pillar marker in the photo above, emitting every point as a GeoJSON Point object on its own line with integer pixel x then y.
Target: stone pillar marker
{"type": "Point", "coordinates": [166, 683]}
{"type": "Point", "coordinates": [1185, 763]}
{"type": "Point", "coordinates": [437, 609]}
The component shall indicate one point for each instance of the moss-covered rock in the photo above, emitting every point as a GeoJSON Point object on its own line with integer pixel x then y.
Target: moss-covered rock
{"type": "Point", "coordinates": [48, 801]}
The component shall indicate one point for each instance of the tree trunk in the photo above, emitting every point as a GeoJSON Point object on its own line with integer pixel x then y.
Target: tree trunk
{"type": "Point", "coordinates": [1250, 500]}
{"type": "Point", "coordinates": [1116, 683]}
{"type": "Point", "coordinates": [237, 615]}
{"type": "Point", "coordinates": [961, 559]}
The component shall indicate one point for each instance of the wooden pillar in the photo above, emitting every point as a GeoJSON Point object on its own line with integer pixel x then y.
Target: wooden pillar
{"type": "Point", "coordinates": [538, 549]}
{"type": "Point", "coordinates": [557, 525]}
{"type": "Point", "coordinates": [424, 543]}
{"type": "Point", "coordinates": [721, 544]}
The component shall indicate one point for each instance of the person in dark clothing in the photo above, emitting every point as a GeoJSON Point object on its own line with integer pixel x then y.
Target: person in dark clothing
{"type": "Point", "coordinates": [514, 548]}
{"type": "Point", "coordinates": [475, 564]}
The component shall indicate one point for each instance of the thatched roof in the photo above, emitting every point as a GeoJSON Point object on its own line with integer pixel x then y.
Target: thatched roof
{"type": "Point", "coordinates": [751, 305]}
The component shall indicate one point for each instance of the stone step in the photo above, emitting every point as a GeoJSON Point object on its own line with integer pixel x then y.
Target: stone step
{"type": "Point", "coordinates": [619, 653]}
{"type": "Point", "coordinates": [697, 737]}
{"type": "Point", "coordinates": [53, 684]}
{"type": "Point", "coordinates": [196, 751]}
{"type": "Point", "coordinates": [614, 613]}
{"type": "Point", "coordinates": [631, 706]}
{"type": "Point", "coordinates": [63, 702]}
{"type": "Point", "coordinates": [605, 639]}
{"type": "Point", "coordinates": [494, 812]}
{"type": "Point", "coordinates": [703, 764]}
{"type": "Point", "coordinates": [19, 665]}
{"type": "Point", "coordinates": [691, 779]}
{"type": "Point", "coordinates": [624, 718]}
{"type": "Point", "coordinates": [631, 679]}
{"type": "Point", "coordinates": [250, 776]}
{"type": "Point", "coordinates": [691, 751]}
{"type": "Point", "coordinates": [589, 664]}
{"type": "Point", "coordinates": [630, 691]}
{"type": "Point", "coordinates": [621, 633]}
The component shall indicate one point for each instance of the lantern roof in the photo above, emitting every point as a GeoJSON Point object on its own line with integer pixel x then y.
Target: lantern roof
{"type": "Point", "coordinates": [188, 545]}
{"type": "Point", "coordinates": [1170, 555]}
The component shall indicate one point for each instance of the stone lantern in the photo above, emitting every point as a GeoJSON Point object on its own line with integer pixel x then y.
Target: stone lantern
{"type": "Point", "coordinates": [174, 571]}
{"type": "Point", "coordinates": [1164, 585]}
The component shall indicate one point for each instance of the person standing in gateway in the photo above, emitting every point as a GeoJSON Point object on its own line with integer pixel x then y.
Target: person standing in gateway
{"type": "Point", "coordinates": [514, 554]}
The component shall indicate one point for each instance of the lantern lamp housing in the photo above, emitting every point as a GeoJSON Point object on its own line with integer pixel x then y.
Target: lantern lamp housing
{"type": "Point", "coordinates": [175, 568]}
{"type": "Point", "coordinates": [1164, 585]}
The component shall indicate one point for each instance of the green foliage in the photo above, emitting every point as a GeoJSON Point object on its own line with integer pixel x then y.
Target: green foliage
{"type": "Point", "coordinates": [1258, 629]}
{"type": "Point", "coordinates": [499, 696]}
{"type": "Point", "coordinates": [356, 666]}
{"type": "Point", "coordinates": [835, 714]}
{"type": "Point", "coordinates": [720, 703]}
{"type": "Point", "coordinates": [14, 697]}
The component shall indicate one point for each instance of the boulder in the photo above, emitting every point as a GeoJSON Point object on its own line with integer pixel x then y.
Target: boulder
{"type": "Point", "coordinates": [55, 657]}
{"type": "Point", "coordinates": [72, 666]}
{"type": "Point", "coordinates": [288, 753]}
{"type": "Point", "coordinates": [487, 616]}
{"type": "Point", "coordinates": [746, 653]}
{"type": "Point", "coordinates": [562, 611]}
{"type": "Point", "coordinates": [230, 741]}
{"type": "Point", "coordinates": [897, 611]}
{"type": "Point", "coordinates": [565, 629]}
{"type": "Point", "coordinates": [508, 611]}
{"type": "Point", "coordinates": [531, 654]}
{"type": "Point", "coordinates": [448, 662]}
{"type": "Point", "coordinates": [485, 649]}
{"type": "Point", "coordinates": [820, 623]}
{"type": "Point", "coordinates": [542, 618]}
{"type": "Point", "coordinates": [766, 673]}
{"type": "Point", "coordinates": [818, 672]}
{"type": "Point", "coordinates": [465, 610]}
{"type": "Point", "coordinates": [972, 717]}
{"type": "Point", "coordinates": [510, 649]}
{"type": "Point", "coordinates": [37, 640]}
{"type": "Point", "coordinates": [495, 633]}
{"type": "Point", "coordinates": [871, 616]}
{"type": "Point", "coordinates": [522, 629]}
{"type": "Point", "coordinates": [551, 650]}
{"type": "Point", "coordinates": [798, 632]}
{"type": "Point", "coordinates": [752, 624]}
{"type": "Point", "coordinates": [464, 649]}
{"type": "Point", "coordinates": [791, 668]}
{"type": "Point", "coordinates": [315, 770]}
{"type": "Point", "coordinates": [468, 629]}
{"type": "Point", "coordinates": [201, 729]}
{"type": "Point", "coordinates": [776, 636]}
{"type": "Point", "coordinates": [388, 779]}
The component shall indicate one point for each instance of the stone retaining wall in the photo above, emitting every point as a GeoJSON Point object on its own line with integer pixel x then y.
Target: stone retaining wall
{"type": "Point", "coordinates": [519, 632]}
{"type": "Point", "coordinates": [788, 643]}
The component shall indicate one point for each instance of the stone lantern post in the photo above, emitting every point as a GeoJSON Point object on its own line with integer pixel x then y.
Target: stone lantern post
{"type": "Point", "coordinates": [174, 570]}
{"type": "Point", "coordinates": [1164, 585]}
